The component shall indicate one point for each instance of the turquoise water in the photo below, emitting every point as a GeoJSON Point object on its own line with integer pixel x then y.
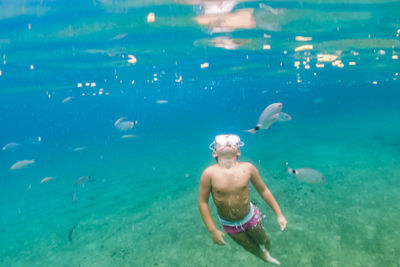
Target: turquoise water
{"type": "Point", "coordinates": [65, 77]}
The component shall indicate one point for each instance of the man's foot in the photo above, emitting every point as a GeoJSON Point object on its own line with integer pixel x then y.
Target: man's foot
{"type": "Point", "coordinates": [271, 259]}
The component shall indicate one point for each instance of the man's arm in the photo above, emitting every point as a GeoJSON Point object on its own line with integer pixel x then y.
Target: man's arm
{"type": "Point", "coordinates": [204, 194]}
{"type": "Point", "coordinates": [264, 192]}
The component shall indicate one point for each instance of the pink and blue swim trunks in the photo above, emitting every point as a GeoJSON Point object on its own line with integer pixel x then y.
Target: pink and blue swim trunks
{"type": "Point", "coordinates": [249, 221]}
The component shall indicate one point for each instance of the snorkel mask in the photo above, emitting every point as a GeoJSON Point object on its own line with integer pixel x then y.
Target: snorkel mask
{"type": "Point", "coordinates": [225, 139]}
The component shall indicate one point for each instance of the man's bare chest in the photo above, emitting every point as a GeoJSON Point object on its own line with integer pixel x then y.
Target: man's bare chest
{"type": "Point", "coordinates": [230, 181]}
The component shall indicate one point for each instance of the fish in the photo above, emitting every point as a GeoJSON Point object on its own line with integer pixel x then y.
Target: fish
{"type": "Point", "coordinates": [162, 101]}
{"type": "Point", "coordinates": [119, 120]}
{"type": "Point", "coordinates": [125, 125]}
{"type": "Point", "coordinates": [11, 146]}
{"type": "Point", "coordinates": [45, 180]}
{"type": "Point", "coordinates": [80, 148]}
{"type": "Point", "coordinates": [82, 179]}
{"type": "Point", "coordinates": [307, 175]}
{"type": "Point", "coordinates": [74, 196]}
{"type": "Point", "coordinates": [21, 164]}
{"type": "Point", "coordinates": [128, 136]}
{"type": "Point", "coordinates": [318, 100]}
{"type": "Point", "coordinates": [119, 36]}
{"type": "Point", "coordinates": [65, 100]}
{"type": "Point", "coordinates": [271, 114]}
{"type": "Point", "coordinates": [71, 231]}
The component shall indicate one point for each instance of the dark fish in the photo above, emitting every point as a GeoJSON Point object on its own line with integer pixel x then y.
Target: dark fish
{"type": "Point", "coordinates": [71, 231]}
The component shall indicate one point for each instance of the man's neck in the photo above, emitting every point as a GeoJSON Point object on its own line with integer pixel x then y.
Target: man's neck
{"type": "Point", "coordinates": [227, 163]}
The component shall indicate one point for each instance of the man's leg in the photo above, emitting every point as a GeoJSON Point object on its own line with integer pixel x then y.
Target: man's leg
{"type": "Point", "coordinates": [258, 234]}
{"type": "Point", "coordinates": [249, 244]}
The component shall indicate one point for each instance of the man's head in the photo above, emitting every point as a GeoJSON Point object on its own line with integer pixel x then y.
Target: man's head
{"type": "Point", "coordinates": [226, 145]}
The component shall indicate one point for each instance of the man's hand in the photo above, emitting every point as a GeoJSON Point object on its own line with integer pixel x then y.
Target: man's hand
{"type": "Point", "coordinates": [282, 222]}
{"type": "Point", "coordinates": [218, 237]}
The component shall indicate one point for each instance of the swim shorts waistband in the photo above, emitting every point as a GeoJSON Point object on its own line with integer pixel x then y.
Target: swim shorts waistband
{"type": "Point", "coordinates": [241, 222]}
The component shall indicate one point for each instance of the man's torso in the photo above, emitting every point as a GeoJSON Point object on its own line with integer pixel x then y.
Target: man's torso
{"type": "Point", "coordinates": [230, 191]}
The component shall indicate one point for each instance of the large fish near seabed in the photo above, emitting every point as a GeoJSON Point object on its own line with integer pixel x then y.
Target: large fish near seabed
{"type": "Point", "coordinates": [271, 114]}
{"type": "Point", "coordinates": [307, 175]}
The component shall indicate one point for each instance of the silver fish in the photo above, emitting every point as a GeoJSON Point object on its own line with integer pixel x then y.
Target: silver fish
{"type": "Point", "coordinates": [125, 125]}
{"type": "Point", "coordinates": [21, 164]}
{"type": "Point", "coordinates": [119, 120]}
{"type": "Point", "coordinates": [11, 146]}
{"type": "Point", "coordinates": [79, 148]}
{"type": "Point", "coordinates": [308, 175]}
{"type": "Point", "coordinates": [128, 136]}
{"type": "Point", "coordinates": [271, 114]}
{"type": "Point", "coordinates": [119, 36]}
{"type": "Point", "coordinates": [65, 100]}
{"type": "Point", "coordinates": [46, 179]}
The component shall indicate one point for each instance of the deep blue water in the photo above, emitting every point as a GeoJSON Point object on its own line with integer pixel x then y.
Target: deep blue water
{"type": "Point", "coordinates": [140, 206]}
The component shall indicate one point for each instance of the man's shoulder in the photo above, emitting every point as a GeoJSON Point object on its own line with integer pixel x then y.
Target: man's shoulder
{"type": "Point", "coordinates": [210, 169]}
{"type": "Point", "coordinates": [208, 173]}
{"type": "Point", "coordinates": [247, 165]}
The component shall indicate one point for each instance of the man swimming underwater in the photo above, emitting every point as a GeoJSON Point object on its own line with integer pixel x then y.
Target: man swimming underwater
{"type": "Point", "coordinates": [228, 182]}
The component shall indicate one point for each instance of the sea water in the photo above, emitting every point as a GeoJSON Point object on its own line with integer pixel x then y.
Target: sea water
{"type": "Point", "coordinates": [67, 74]}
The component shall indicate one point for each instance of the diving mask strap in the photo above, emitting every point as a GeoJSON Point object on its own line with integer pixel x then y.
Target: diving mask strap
{"type": "Point", "coordinates": [212, 146]}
